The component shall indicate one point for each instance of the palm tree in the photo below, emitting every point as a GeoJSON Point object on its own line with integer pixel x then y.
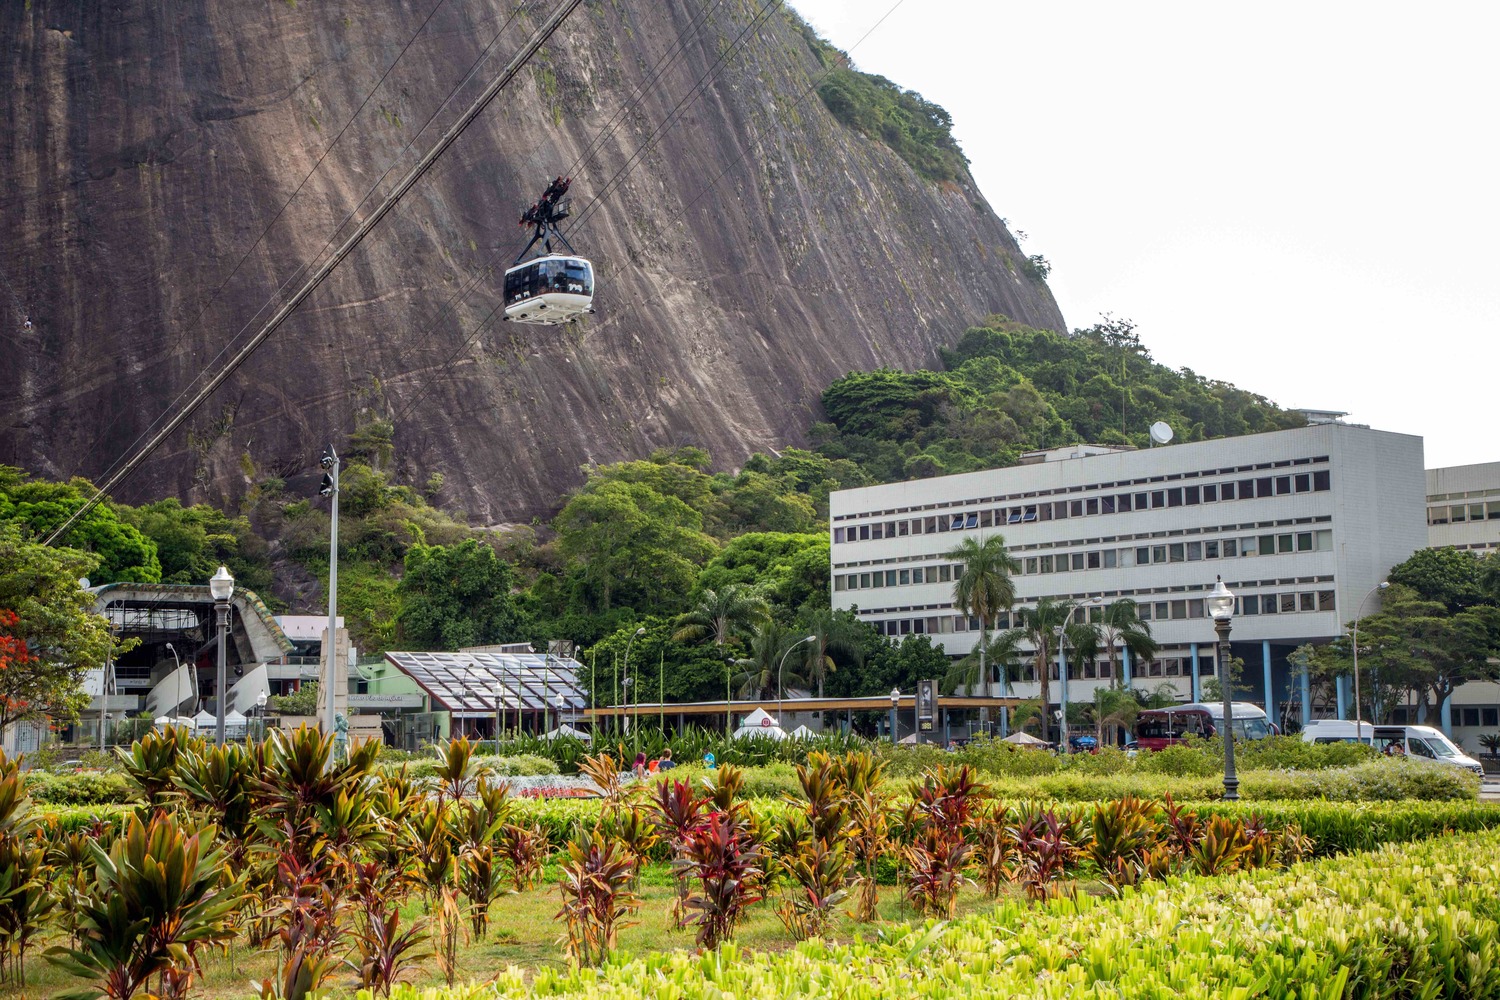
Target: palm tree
{"type": "Point", "coordinates": [984, 588]}
{"type": "Point", "coordinates": [1039, 627]}
{"type": "Point", "coordinates": [723, 614]}
{"type": "Point", "coordinates": [1121, 623]}
{"type": "Point", "coordinates": [833, 632]}
{"type": "Point", "coordinates": [757, 677]}
{"type": "Point", "coordinates": [1114, 708]}
{"type": "Point", "coordinates": [970, 672]}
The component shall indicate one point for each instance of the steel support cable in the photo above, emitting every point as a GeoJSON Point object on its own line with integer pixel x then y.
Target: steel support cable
{"type": "Point", "coordinates": [666, 61]}
{"type": "Point", "coordinates": [289, 281]}
{"type": "Point", "coordinates": [666, 125]}
{"type": "Point", "coordinates": [709, 187]}
{"type": "Point", "coordinates": [499, 83]}
{"type": "Point", "coordinates": [674, 115]}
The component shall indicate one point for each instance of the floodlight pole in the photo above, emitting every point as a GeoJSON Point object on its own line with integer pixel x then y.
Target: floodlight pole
{"type": "Point", "coordinates": [331, 487]}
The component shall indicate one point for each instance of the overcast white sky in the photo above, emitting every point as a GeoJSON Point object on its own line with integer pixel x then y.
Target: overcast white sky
{"type": "Point", "coordinates": [1300, 199]}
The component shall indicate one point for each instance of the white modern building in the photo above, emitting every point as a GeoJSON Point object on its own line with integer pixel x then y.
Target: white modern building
{"type": "Point", "coordinates": [1463, 511]}
{"type": "Point", "coordinates": [1301, 524]}
{"type": "Point", "coordinates": [1463, 507]}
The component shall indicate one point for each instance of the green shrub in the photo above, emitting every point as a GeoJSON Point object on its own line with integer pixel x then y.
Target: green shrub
{"type": "Point", "coordinates": [1416, 920]}
{"type": "Point", "coordinates": [1190, 758]}
{"type": "Point", "coordinates": [1376, 780]}
{"type": "Point", "coordinates": [1341, 827]}
{"type": "Point", "coordinates": [80, 788]}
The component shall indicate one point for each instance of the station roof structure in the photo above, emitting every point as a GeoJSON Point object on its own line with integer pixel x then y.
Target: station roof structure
{"type": "Point", "coordinates": [469, 683]}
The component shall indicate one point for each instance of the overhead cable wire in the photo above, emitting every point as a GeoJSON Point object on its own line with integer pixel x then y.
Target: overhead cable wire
{"type": "Point", "coordinates": [537, 40]}
{"type": "Point", "coordinates": [289, 281]}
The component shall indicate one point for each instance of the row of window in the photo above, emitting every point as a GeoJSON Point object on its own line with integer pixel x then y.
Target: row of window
{"type": "Point", "coordinates": [1141, 555]}
{"type": "Point", "coordinates": [1181, 609]}
{"type": "Point", "coordinates": [1119, 503]}
{"type": "Point", "coordinates": [1459, 513]}
{"type": "Point", "coordinates": [1090, 487]}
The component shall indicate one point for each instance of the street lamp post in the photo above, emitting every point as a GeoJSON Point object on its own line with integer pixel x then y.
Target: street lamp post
{"type": "Point", "coordinates": [221, 586]}
{"type": "Point", "coordinates": [330, 489]}
{"type": "Point", "coordinates": [895, 704]}
{"type": "Point", "coordinates": [728, 710]}
{"type": "Point", "coordinates": [1359, 729]}
{"type": "Point", "coordinates": [633, 636]}
{"type": "Point", "coordinates": [1221, 608]}
{"type": "Point", "coordinates": [561, 703]}
{"type": "Point", "coordinates": [260, 712]}
{"type": "Point", "coordinates": [1062, 664]}
{"type": "Point", "coordinates": [780, 669]}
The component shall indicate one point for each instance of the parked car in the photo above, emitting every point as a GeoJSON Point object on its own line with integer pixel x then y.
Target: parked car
{"type": "Point", "coordinates": [1409, 741]}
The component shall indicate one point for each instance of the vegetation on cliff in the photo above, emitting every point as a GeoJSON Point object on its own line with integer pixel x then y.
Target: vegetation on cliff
{"type": "Point", "coordinates": [640, 543]}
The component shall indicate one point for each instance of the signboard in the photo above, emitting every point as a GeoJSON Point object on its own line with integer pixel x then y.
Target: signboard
{"type": "Point", "coordinates": [385, 701]}
{"type": "Point", "coordinates": [926, 705]}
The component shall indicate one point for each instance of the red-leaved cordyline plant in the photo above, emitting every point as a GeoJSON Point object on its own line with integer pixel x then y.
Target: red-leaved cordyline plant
{"type": "Point", "coordinates": [725, 861]}
{"type": "Point", "coordinates": [677, 811]}
{"type": "Point", "coordinates": [596, 897]}
{"type": "Point", "coordinates": [525, 847]}
{"type": "Point", "coordinates": [384, 952]}
{"type": "Point", "coordinates": [995, 848]}
{"type": "Point", "coordinates": [814, 852]}
{"type": "Point", "coordinates": [1123, 831]}
{"type": "Point", "coordinates": [1047, 844]}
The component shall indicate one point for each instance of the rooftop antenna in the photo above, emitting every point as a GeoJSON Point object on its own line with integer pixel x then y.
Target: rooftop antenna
{"type": "Point", "coordinates": [1161, 433]}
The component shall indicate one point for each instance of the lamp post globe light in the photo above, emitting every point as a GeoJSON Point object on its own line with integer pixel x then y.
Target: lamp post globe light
{"type": "Point", "coordinates": [260, 711]}
{"type": "Point", "coordinates": [780, 668]}
{"type": "Point", "coordinates": [1221, 609]}
{"type": "Point", "coordinates": [895, 704]}
{"type": "Point", "coordinates": [561, 703]}
{"type": "Point", "coordinates": [221, 586]}
{"type": "Point", "coordinates": [633, 637]}
{"type": "Point", "coordinates": [1359, 729]}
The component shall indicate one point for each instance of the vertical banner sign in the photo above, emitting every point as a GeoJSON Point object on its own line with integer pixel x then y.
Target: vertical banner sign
{"type": "Point", "coordinates": [926, 705]}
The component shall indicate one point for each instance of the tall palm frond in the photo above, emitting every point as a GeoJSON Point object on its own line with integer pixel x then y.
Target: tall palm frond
{"type": "Point", "coordinates": [835, 638]}
{"type": "Point", "coordinates": [984, 587]}
{"type": "Point", "coordinates": [757, 677]}
{"type": "Point", "coordinates": [985, 665]}
{"type": "Point", "coordinates": [723, 614]}
{"type": "Point", "coordinates": [1121, 624]}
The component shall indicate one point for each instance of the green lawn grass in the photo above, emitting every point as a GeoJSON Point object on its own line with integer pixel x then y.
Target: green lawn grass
{"type": "Point", "coordinates": [522, 932]}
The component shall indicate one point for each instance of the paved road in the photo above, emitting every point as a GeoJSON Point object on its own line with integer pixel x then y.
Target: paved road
{"type": "Point", "coordinates": [1490, 790]}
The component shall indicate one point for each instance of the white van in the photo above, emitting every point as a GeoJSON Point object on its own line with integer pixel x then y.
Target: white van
{"type": "Point", "coordinates": [1412, 741]}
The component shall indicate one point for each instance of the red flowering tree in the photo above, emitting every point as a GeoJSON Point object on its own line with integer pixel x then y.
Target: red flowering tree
{"type": "Point", "coordinates": [50, 636]}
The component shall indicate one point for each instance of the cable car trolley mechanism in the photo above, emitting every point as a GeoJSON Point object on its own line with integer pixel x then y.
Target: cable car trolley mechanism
{"type": "Point", "coordinates": [552, 288]}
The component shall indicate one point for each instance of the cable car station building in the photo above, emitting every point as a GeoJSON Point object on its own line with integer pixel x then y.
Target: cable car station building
{"type": "Point", "coordinates": [1301, 524]}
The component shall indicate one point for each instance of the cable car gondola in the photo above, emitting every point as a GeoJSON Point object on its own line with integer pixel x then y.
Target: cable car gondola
{"type": "Point", "coordinates": [553, 288]}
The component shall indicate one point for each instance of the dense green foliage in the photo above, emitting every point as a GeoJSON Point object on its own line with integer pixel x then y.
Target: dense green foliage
{"type": "Point", "coordinates": [1008, 389]}
{"type": "Point", "coordinates": [1435, 627]}
{"type": "Point", "coordinates": [38, 508]}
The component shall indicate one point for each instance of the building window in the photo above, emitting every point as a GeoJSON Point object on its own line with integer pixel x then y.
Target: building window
{"type": "Point", "coordinates": [838, 535]}
{"type": "Point", "coordinates": [1163, 611]}
{"type": "Point", "coordinates": [1174, 497]}
{"type": "Point", "coordinates": [905, 577]}
{"type": "Point", "coordinates": [1158, 553]}
{"type": "Point", "coordinates": [1091, 505]}
{"type": "Point", "coordinates": [1093, 560]}
{"type": "Point", "coordinates": [1325, 600]}
{"type": "Point", "coordinates": [841, 582]}
{"type": "Point", "coordinates": [1075, 509]}
{"type": "Point", "coordinates": [1195, 607]}
{"type": "Point", "coordinates": [1158, 498]}
{"type": "Point", "coordinates": [1176, 552]}
{"type": "Point", "coordinates": [1210, 550]}
{"type": "Point", "coordinates": [1288, 604]}
{"type": "Point", "coordinates": [1144, 611]}
{"type": "Point", "coordinates": [1078, 560]}
{"type": "Point", "coordinates": [864, 532]}
{"type": "Point", "coordinates": [1122, 502]}
{"type": "Point", "coordinates": [1491, 716]}
{"type": "Point", "coordinates": [1284, 543]}
{"type": "Point", "coordinates": [1179, 610]}
{"type": "Point", "coordinates": [945, 574]}
{"type": "Point", "coordinates": [1249, 605]}
{"type": "Point", "coordinates": [1321, 480]}
{"type": "Point", "coordinates": [1231, 548]}
{"type": "Point", "coordinates": [864, 581]}
{"type": "Point", "coordinates": [1226, 491]}
{"type": "Point", "coordinates": [1283, 485]}
{"type": "Point", "coordinates": [1307, 602]}
{"type": "Point", "coordinates": [1471, 716]}
{"type": "Point", "coordinates": [1302, 482]}
{"type": "Point", "coordinates": [1031, 565]}
{"type": "Point", "coordinates": [1108, 504]}
{"type": "Point", "coordinates": [1109, 558]}
{"type": "Point", "coordinates": [1210, 493]}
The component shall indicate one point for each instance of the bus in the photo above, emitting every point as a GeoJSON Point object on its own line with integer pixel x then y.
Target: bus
{"type": "Point", "coordinates": [1157, 728]}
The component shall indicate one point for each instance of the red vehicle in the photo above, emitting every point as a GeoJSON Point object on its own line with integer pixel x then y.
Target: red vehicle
{"type": "Point", "coordinates": [1158, 728]}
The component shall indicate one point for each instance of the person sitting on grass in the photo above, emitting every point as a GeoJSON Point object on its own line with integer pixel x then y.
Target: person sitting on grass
{"type": "Point", "coordinates": [666, 763]}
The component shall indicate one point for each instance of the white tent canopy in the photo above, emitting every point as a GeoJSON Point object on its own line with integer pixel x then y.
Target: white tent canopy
{"type": "Point", "coordinates": [802, 733]}
{"type": "Point", "coordinates": [205, 720]}
{"type": "Point", "coordinates": [759, 723]}
{"type": "Point", "coordinates": [1021, 739]}
{"type": "Point", "coordinates": [235, 719]}
{"type": "Point", "coordinates": [566, 730]}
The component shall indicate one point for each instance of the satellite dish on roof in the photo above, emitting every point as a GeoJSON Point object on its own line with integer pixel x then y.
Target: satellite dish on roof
{"type": "Point", "coordinates": [1161, 432]}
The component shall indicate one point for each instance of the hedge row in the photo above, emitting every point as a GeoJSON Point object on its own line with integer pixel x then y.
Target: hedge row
{"type": "Point", "coordinates": [1409, 921]}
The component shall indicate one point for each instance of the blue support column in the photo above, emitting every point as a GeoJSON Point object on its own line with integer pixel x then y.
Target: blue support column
{"type": "Point", "coordinates": [1197, 684]}
{"type": "Point", "coordinates": [1062, 690]}
{"type": "Point", "coordinates": [1306, 700]}
{"type": "Point", "coordinates": [1265, 661]}
{"type": "Point", "coordinates": [1340, 684]}
{"type": "Point", "coordinates": [1446, 715]}
{"type": "Point", "coordinates": [1125, 666]}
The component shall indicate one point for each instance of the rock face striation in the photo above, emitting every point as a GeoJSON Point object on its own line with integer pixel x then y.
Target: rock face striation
{"type": "Point", "coordinates": [169, 167]}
